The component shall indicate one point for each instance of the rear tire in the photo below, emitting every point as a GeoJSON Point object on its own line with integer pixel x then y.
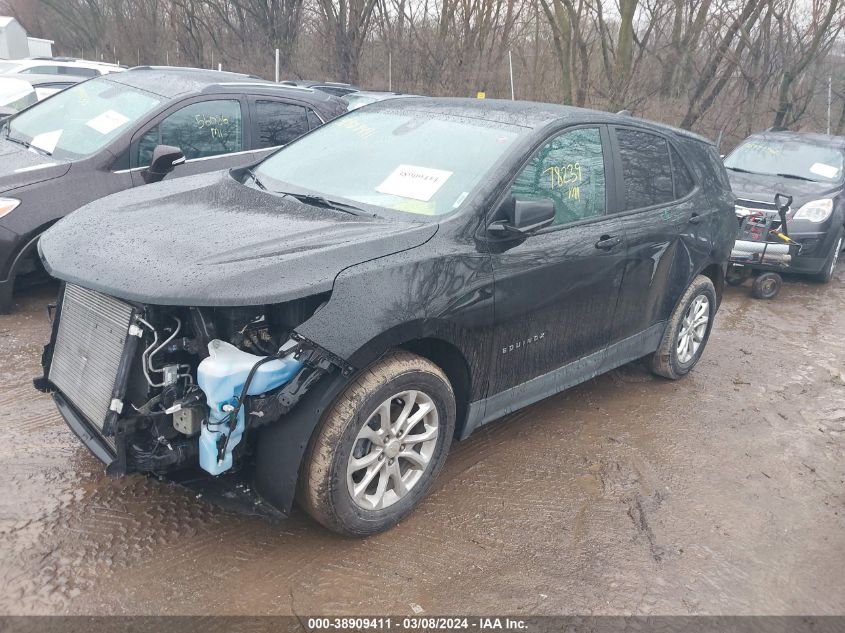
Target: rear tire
{"type": "Point", "coordinates": [687, 332]}
{"type": "Point", "coordinates": [766, 286]}
{"type": "Point", "coordinates": [829, 268]}
{"type": "Point", "coordinates": [366, 470]}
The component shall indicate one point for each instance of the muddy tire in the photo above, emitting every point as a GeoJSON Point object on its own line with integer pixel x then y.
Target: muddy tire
{"type": "Point", "coordinates": [379, 448]}
{"type": "Point", "coordinates": [687, 332]}
{"type": "Point", "coordinates": [826, 273]}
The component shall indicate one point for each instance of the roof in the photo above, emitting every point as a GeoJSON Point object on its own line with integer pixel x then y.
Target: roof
{"type": "Point", "coordinates": [529, 114]}
{"type": "Point", "coordinates": [809, 137]}
{"type": "Point", "coordinates": [173, 81]}
{"type": "Point", "coordinates": [6, 20]}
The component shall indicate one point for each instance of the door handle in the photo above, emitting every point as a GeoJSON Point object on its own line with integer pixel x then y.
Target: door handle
{"type": "Point", "coordinates": [607, 242]}
{"type": "Point", "coordinates": [694, 218]}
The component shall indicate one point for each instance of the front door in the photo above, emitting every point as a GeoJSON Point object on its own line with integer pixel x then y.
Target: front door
{"type": "Point", "coordinates": [556, 289]}
{"type": "Point", "coordinates": [211, 133]}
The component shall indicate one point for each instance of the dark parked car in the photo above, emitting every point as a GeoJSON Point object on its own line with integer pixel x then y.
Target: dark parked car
{"type": "Point", "coordinates": [808, 167]}
{"type": "Point", "coordinates": [127, 129]}
{"type": "Point", "coordinates": [399, 277]}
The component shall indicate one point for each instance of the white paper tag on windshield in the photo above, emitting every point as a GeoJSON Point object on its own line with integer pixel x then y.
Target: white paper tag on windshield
{"type": "Point", "coordinates": [107, 122]}
{"type": "Point", "coordinates": [825, 171]}
{"type": "Point", "coordinates": [410, 181]}
{"type": "Point", "coordinates": [46, 141]}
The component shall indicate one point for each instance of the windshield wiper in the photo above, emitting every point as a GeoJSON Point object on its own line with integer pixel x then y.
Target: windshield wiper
{"type": "Point", "coordinates": [320, 201]}
{"type": "Point", "coordinates": [740, 169]}
{"type": "Point", "coordinates": [28, 145]}
{"type": "Point", "coordinates": [255, 179]}
{"type": "Point", "coordinates": [796, 177]}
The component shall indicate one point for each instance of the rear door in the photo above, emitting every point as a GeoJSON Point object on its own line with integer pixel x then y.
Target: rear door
{"type": "Point", "coordinates": [212, 132]}
{"type": "Point", "coordinates": [556, 289]}
{"type": "Point", "coordinates": [667, 229]}
{"type": "Point", "coordinates": [277, 122]}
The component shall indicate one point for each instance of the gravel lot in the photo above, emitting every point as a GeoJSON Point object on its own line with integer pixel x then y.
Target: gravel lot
{"type": "Point", "coordinates": [722, 493]}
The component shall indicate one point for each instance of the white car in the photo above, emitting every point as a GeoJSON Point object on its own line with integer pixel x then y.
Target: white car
{"type": "Point", "coordinates": [57, 66]}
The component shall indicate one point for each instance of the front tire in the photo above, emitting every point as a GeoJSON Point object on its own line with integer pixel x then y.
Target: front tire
{"type": "Point", "coordinates": [826, 273]}
{"type": "Point", "coordinates": [379, 448]}
{"type": "Point", "coordinates": [687, 332]}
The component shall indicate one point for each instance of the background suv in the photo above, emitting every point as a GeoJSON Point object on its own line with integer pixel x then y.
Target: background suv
{"type": "Point", "coordinates": [128, 129]}
{"type": "Point", "coordinates": [811, 169]}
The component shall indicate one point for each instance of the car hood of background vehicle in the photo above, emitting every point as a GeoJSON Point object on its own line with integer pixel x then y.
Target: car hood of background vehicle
{"type": "Point", "coordinates": [210, 241]}
{"type": "Point", "coordinates": [20, 167]}
{"type": "Point", "coordinates": [763, 187]}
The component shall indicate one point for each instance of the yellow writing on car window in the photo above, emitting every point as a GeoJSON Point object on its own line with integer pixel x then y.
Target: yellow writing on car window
{"type": "Point", "coordinates": [213, 123]}
{"type": "Point", "coordinates": [358, 128]}
{"type": "Point", "coordinates": [564, 175]}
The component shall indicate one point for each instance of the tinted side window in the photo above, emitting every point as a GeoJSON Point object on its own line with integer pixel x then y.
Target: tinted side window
{"type": "Point", "coordinates": [646, 168]}
{"type": "Point", "coordinates": [569, 169]}
{"type": "Point", "coordinates": [313, 120]}
{"type": "Point", "coordinates": [76, 71]}
{"type": "Point", "coordinates": [683, 181]}
{"type": "Point", "coordinates": [206, 128]}
{"type": "Point", "coordinates": [278, 123]}
{"type": "Point", "coordinates": [42, 70]}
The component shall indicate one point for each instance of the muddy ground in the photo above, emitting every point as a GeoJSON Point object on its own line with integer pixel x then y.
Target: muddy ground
{"type": "Point", "coordinates": [722, 493]}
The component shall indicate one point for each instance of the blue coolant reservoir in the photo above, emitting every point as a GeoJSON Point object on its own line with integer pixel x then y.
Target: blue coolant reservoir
{"type": "Point", "coordinates": [221, 376]}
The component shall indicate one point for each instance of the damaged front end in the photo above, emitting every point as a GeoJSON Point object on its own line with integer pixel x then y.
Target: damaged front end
{"type": "Point", "coordinates": [156, 389]}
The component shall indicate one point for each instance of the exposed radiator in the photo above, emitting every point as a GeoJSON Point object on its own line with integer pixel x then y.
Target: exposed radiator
{"type": "Point", "coordinates": [89, 345]}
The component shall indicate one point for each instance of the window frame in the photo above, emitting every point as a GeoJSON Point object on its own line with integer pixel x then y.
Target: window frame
{"type": "Point", "coordinates": [609, 170]}
{"type": "Point", "coordinates": [620, 177]}
{"type": "Point", "coordinates": [141, 131]}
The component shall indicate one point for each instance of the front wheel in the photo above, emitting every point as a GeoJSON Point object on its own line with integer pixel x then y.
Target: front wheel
{"type": "Point", "coordinates": [377, 451]}
{"type": "Point", "coordinates": [687, 331]}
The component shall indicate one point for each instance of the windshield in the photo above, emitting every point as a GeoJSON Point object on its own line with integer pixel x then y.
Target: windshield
{"type": "Point", "coordinates": [788, 157]}
{"type": "Point", "coordinates": [16, 94]}
{"type": "Point", "coordinates": [7, 67]}
{"type": "Point", "coordinates": [416, 162]}
{"type": "Point", "coordinates": [82, 119]}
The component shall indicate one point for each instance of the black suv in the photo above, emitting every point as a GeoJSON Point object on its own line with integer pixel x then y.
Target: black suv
{"type": "Point", "coordinates": [327, 321]}
{"type": "Point", "coordinates": [127, 129]}
{"type": "Point", "coordinates": [811, 169]}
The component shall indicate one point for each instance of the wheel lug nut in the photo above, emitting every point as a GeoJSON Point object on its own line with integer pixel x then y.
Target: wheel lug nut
{"type": "Point", "coordinates": [390, 462]}
{"type": "Point", "coordinates": [402, 448]}
{"type": "Point", "coordinates": [381, 457]}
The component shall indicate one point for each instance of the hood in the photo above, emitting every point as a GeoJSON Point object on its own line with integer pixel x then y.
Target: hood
{"type": "Point", "coordinates": [763, 187]}
{"type": "Point", "coordinates": [210, 241]}
{"type": "Point", "coordinates": [20, 167]}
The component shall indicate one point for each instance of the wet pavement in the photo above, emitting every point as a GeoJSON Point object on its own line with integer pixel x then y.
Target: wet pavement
{"type": "Point", "coordinates": [722, 493]}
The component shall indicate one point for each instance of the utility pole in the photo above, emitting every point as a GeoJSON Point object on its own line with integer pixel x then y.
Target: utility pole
{"type": "Point", "coordinates": [829, 99]}
{"type": "Point", "coordinates": [510, 64]}
{"type": "Point", "coordinates": [277, 65]}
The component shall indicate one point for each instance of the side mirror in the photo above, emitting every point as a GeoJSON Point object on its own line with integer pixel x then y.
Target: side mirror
{"type": "Point", "coordinates": [165, 158]}
{"type": "Point", "coordinates": [525, 216]}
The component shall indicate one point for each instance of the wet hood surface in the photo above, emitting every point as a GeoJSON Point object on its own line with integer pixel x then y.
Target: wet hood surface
{"type": "Point", "coordinates": [763, 187]}
{"type": "Point", "coordinates": [20, 167]}
{"type": "Point", "coordinates": [210, 241]}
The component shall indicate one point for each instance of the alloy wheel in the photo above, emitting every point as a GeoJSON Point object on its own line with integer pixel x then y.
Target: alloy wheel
{"type": "Point", "coordinates": [693, 328]}
{"type": "Point", "coordinates": [392, 450]}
